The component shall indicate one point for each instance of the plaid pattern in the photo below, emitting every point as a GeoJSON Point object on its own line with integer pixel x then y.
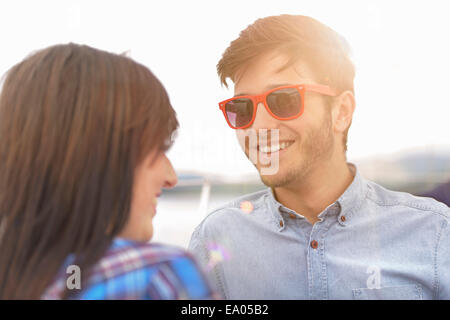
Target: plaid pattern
{"type": "Point", "coordinates": [133, 270]}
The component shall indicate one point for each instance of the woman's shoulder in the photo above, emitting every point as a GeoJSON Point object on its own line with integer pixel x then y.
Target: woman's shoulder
{"type": "Point", "coordinates": [139, 254]}
{"type": "Point", "coordinates": [135, 270]}
{"type": "Point", "coordinates": [139, 270]}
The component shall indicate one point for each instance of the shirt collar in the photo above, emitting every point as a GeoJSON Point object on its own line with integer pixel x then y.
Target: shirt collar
{"type": "Point", "coordinates": [353, 197]}
{"type": "Point", "coordinates": [349, 202]}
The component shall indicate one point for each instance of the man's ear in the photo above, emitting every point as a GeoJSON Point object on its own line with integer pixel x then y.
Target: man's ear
{"type": "Point", "coordinates": [343, 109]}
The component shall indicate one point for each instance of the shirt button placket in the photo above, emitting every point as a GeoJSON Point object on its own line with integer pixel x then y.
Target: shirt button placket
{"type": "Point", "coordinates": [316, 271]}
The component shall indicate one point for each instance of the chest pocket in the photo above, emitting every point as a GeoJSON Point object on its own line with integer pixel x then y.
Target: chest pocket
{"type": "Point", "coordinates": [406, 292]}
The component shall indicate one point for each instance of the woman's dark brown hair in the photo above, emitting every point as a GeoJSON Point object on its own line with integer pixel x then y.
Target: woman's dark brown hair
{"type": "Point", "coordinates": [74, 123]}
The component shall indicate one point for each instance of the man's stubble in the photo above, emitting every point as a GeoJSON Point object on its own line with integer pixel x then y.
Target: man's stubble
{"type": "Point", "coordinates": [315, 148]}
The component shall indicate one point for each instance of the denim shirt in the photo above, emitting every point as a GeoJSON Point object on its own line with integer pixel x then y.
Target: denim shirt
{"type": "Point", "coordinates": [372, 243]}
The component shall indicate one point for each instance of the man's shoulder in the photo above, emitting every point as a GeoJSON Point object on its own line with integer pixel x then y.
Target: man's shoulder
{"type": "Point", "coordinates": [233, 209]}
{"type": "Point", "coordinates": [385, 197]}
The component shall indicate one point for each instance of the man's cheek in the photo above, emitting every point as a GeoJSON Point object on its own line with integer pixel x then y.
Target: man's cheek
{"type": "Point", "coordinates": [243, 142]}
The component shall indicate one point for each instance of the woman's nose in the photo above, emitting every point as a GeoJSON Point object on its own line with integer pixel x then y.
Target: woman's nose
{"type": "Point", "coordinates": [171, 176]}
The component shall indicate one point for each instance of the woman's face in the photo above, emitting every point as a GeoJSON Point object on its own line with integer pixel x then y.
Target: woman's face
{"type": "Point", "coordinates": [150, 177]}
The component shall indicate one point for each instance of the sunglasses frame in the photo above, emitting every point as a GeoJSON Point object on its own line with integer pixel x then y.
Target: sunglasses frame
{"type": "Point", "coordinates": [262, 98]}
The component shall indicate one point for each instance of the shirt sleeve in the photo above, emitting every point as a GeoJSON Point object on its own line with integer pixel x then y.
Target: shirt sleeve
{"type": "Point", "coordinates": [198, 247]}
{"type": "Point", "coordinates": [443, 263]}
{"type": "Point", "coordinates": [180, 279]}
{"type": "Point", "coordinates": [170, 274]}
{"type": "Point", "coordinates": [193, 278]}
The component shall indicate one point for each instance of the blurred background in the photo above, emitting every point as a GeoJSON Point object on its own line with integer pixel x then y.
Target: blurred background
{"type": "Point", "coordinates": [399, 136]}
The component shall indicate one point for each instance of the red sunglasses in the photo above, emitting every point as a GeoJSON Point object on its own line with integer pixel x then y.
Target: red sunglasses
{"type": "Point", "coordinates": [283, 103]}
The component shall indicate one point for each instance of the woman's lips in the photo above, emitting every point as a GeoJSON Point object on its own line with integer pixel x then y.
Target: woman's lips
{"type": "Point", "coordinates": [155, 203]}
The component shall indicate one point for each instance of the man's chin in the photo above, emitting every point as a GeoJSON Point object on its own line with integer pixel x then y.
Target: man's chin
{"type": "Point", "coordinates": [274, 180]}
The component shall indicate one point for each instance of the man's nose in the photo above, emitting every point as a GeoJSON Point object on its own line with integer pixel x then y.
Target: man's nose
{"type": "Point", "coordinates": [263, 119]}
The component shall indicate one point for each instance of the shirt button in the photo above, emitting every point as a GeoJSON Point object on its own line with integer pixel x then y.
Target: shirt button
{"type": "Point", "coordinates": [314, 244]}
{"type": "Point", "coordinates": [343, 218]}
{"type": "Point", "coordinates": [281, 223]}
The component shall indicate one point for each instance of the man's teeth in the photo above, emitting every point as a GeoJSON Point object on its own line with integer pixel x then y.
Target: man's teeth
{"type": "Point", "coordinates": [275, 148]}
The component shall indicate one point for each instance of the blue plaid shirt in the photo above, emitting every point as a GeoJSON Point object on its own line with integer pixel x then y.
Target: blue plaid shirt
{"type": "Point", "coordinates": [134, 270]}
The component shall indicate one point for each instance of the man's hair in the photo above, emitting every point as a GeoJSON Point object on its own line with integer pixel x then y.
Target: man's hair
{"type": "Point", "coordinates": [301, 38]}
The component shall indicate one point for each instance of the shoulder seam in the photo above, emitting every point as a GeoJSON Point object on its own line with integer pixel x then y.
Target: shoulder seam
{"type": "Point", "coordinates": [412, 206]}
{"type": "Point", "coordinates": [231, 205]}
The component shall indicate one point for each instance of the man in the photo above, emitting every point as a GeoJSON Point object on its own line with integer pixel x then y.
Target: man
{"type": "Point", "coordinates": [320, 231]}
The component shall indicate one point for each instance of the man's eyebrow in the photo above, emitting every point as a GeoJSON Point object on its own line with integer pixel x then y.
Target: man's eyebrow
{"type": "Point", "coordinates": [267, 88]}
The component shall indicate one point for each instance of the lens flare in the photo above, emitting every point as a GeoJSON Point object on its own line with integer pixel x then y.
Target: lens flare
{"type": "Point", "coordinates": [217, 254]}
{"type": "Point", "coordinates": [246, 206]}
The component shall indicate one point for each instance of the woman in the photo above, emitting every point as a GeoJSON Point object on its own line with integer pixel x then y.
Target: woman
{"type": "Point", "coordinates": [83, 136]}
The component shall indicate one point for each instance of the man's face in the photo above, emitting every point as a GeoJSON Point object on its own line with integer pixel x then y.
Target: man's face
{"type": "Point", "coordinates": [308, 140]}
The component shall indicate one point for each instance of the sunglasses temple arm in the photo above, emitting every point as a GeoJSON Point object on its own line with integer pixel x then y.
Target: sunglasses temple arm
{"type": "Point", "coordinates": [320, 89]}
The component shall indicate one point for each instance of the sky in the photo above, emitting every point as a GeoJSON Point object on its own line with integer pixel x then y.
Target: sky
{"type": "Point", "coordinates": [400, 49]}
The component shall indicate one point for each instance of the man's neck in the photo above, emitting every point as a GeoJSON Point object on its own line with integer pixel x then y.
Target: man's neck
{"type": "Point", "coordinates": [322, 187]}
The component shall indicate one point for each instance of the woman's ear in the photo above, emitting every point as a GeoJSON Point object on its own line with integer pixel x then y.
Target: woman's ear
{"type": "Point", "coordinates": [343, 109]}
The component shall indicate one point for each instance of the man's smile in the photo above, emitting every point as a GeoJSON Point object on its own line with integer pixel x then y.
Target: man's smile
{"type": "Point", "coordinates": [269, 148]}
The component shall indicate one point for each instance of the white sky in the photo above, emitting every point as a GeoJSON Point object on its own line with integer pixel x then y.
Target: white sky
{"type": "Point", "coordinates": [401, 50]}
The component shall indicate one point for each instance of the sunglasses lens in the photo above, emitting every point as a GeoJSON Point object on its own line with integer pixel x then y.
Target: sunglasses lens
{"type": "Point", "coordinates": [285, 103]}
{"type": "Point", "coordinates": [239, 112]}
